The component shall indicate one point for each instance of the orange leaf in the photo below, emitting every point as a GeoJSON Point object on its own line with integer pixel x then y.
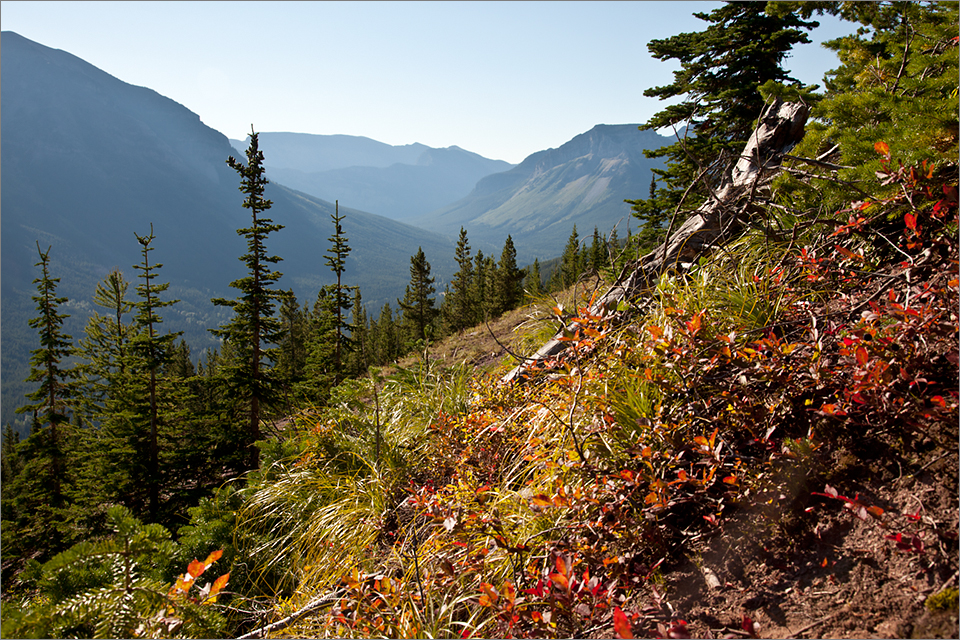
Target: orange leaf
{"type": "Point", "coordinates": [196, 568]}
{"type": "Point", "coordinates": [875, 511]}
{"type": "Point", "coordinates": [218, 586]}
{"type": "Point", "coordinates": [559, 580]}
{"type": "Point", "coordinates": [561, 565]}
{"type": "Point", "coordinates": [213, 557]}
{"type": "Point", "coordinates": [541, 500]}
{"type": "Point", "coordinates": [910, 220]}
{"type": "Point", "coordinates": [621, 625]}
{"type": "Point", "coordinates": [882, 148]}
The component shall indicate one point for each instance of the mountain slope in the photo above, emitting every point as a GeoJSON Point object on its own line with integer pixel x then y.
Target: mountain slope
{"type": "Point", "coordinates": [398, 182]}
{"type": "Point", "coordinates": [89, 160]}
{"type": "Point", "coordinates": [583, 182]}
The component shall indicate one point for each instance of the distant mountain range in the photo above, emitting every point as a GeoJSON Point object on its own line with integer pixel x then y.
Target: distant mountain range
{"type": "Point", "coordinates": [398, 182]}
{"type": "Point", "coordinates": [583, 182]}
{"type": "Point", "coordinates": [89, 160]}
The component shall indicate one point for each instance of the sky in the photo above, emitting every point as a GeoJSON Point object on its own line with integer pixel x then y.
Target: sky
{"type": "Point", "coordinates": [502, 79]}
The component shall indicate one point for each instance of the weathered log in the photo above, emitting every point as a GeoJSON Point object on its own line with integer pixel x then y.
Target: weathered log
{"type": "Point", "coordinates": [779, 130]}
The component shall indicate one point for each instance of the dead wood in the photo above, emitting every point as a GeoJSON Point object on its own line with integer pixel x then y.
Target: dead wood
{"type": "Point", "coordinates": [715, 222]}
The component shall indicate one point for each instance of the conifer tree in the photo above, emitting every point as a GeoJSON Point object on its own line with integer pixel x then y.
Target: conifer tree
{"type": "Point", "coordinates": [254, 325]}
{"type": "Point", "coordinates": [319, 368]}
{"type": "Point", "coordinates": [292, 349]}
{"type": "Point", "coordinates": [479, 292]}
{"type": "Point", "coordinates": [721, 70]}
{"type": "Point", "coordinates": [151, 350]}
{"type": "Point", "coordinates": [509, 280]}
{"type": "Point", "coordinates": [459, 303]}
{"type": "Point", "coordinates": [360, 336]}
{"type": "Point", "coordinates": [336, 258]}
{"type": "Point", "coordinates": [105, 344]}
{"type": "Point", "coordinates": [417, 305]}
{"type": "Point", "coordinates": [897, 83]}
{"type": "Point", "coordinates": [534, 280]}
{"type": "Point", "coordinates": [570, 267]}
{"type": "Point", "coordinates": [57, 384]}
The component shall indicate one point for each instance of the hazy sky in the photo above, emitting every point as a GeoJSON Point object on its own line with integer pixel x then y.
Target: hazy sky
{"type": "Point", "coordinates": [502, 79]}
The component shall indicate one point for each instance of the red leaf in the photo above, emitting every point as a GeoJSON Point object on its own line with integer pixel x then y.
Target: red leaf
{"type": "Point", "coordinates": [621, 625]}
{"type": "Point", "coordinates": [910, 220]}
{"type": "Point", "coordinates": [862, 356]}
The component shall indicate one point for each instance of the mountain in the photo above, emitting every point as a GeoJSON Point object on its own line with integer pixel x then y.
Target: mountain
{"type": "Point", "coordinates": [583, 182]}
{"type": "Point", "coordinates": [398, 182]}
{"type": "Point", "coordinates": [89, 160]}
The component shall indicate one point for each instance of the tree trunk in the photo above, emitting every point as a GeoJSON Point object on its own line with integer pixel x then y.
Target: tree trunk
{"type": "Point", "coordinates": [779, 130]}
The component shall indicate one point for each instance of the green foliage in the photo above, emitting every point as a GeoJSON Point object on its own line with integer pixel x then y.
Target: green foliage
{"type": "Point", "coordinates": [897, 84]}
{"type": "Point", "coordinates": [341, 300]}
{"type": "Point", "coordinates": [721, 71]}
{"type": "Point", "coordinates": [417, 305]}
{"type": "Point", "coordinates": [112, 588]}
{"type": "Point", "coordinates": [254, 326]}
{"type": "Point", "coordinates": [458, 304]}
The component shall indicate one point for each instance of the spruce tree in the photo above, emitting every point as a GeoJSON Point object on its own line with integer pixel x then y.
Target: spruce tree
{"type": "Point", "coordinates": [359, 336]}
{"type": "Point", "coordinates": [336, 258]}
{"type": "Point", "coordinates": [254, 325]}
{"type": "Point", "coordinates": [721, 70]}
{"type": "Point", "coordinates": [459, 302]}
{"type": "Point", "coordinates": [570, 266]}
{"type": "Point", "coordinates": [292, 349]}
{"type": "Point", "coordinates": [151, 351]}
{"type": "Point", "coordinates": [417, 305]}
{"type": "Point", "coordinates": [509, 279]}
{"type": "Point", "coordinates": [897, 83]}
{"type": "Point", "coordinates": [534, 280]}
{"type": "Point", "coordinates": [105, 344]}
{"type": "Point", "coordinates": [56, 392]}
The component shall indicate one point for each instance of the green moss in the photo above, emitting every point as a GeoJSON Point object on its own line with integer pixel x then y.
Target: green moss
{"type": "Point", "coordinates": [945, 600]}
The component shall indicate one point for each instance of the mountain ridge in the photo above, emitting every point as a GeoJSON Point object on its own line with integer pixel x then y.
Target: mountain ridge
{"type": "Point", "coordinates": [89, 160]}
{"type": "Point", "coordinates": [398, 182]}
{"type": "Point", "coordinates": [583, 182]}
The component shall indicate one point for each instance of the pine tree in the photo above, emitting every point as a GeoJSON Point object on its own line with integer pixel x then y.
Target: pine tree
{"type": "Point", "coordinates": [57, 384]}
{"type": "Point", "coordinates": [417, 305]}
{"type": "Point", "coordinates": [479, 292]}
{"type": "Point", "coordinates": [292, 349]}
{"type": "Point", "coordinates": [253, 326]}
{"type": "Point", "coordinates": [359, 336]}
{"type": "Point", "coordinates": [459, 302]}
{"type": "Point", "coordinates": [336, 258]}
{"type": "Point", "coordinates": [534, 281]}
{"type": "Point", "coordinates": [721, 70]}
{"type": "Point", "coordinates": [509, 280]}
{"type": "Point", "coordinates": [897, 84]}
{"type": "Point", "coordinates": [151, 350]}
{"type": "Point", "coordinates": [570, 267]}
{"type": "Point", "coordinates": [105, 344]}
{"type": "Point", "coordinates": [319, 368]}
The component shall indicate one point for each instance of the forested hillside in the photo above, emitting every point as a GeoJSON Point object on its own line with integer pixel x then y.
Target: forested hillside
{"type": "Point", "coordinates": [89, 160]}
{"type": "Point", "coordinates": [759, 441]}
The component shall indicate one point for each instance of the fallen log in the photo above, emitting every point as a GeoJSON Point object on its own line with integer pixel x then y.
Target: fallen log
{"type": "Point", "coordinates": [780, 128]}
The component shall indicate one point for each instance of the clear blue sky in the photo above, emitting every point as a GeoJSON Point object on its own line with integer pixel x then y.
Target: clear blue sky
{"type": "Point", "coordinates": [502, 79]}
